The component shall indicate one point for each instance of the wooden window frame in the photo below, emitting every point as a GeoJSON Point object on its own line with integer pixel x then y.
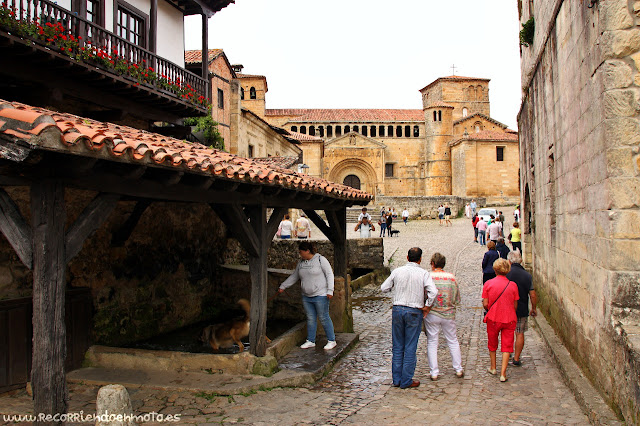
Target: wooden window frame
{"type": "Point", "coordinates": [117, 4]}
{"type": "Point", "coordinates": [500, 153]}
{"type": "Point", "coordinates": [389, 167]}
{"type": "Point", "coordinates": [220, 99]}
{"type": "Point", "coordinates": [80, 7]}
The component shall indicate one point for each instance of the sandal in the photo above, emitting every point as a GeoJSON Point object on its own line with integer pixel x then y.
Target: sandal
{"type": "Point", "coordinates": [503, 379]}
{"type": "Point", "coordinates": [492, 371]}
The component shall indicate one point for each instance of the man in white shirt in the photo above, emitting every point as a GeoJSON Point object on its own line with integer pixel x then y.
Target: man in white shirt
{"type": "Point", "coordinates": [303, 227]}
{"type": "Point", "coordinates": [494, 231]}
{"type": "Point", "coordinates": [411, 284]}
{"type": "Point", "coordinates": [405, 216]}
{"type": "Point", "coordinates": [365, 228]}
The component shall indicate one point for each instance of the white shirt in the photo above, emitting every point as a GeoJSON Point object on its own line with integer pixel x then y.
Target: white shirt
{"type": "Point", "coordinates": [410, 282]}
{"type": "Point", "coordinates": [367, 215]}
{"type": "Point", "coordinates": [303, 227]}
{"type": "Point", "coordinates": [405, 213]}
{"type": "Point", "coordinates": [365, 230]}
{"type": "Point", "coordinates": [285, 228]}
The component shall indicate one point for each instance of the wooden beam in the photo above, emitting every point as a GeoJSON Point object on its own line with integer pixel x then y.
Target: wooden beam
{"type": "Point", "coordinates": [48, 217]}
{"type": "Point", "coordinates": [121, 236]}
{"type": "Point", "coordinates": [237, 223]}
{"type": "Point", "coordinates": [337, 224]}
{"type": "Point", "coordinates": [15, 229]}
{"type": "Point", "coordinates": [205, 52]}
{"type": "Point", "coordinates": [319, 222]}
{"type": "Point", "coordinates": [89, 220]}
{"type": "Point", "coordinates": [274, 221]}
{"type": "Point", "coordinates": [259, 280]}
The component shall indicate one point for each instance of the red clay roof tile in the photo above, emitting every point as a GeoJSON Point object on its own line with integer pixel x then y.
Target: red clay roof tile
{"type": "Point", "coordinates": [348, 115]}
{"type": "Point", "coordinates": [80, 136]}
{"type": "Point", "coordinates": [195, 56]}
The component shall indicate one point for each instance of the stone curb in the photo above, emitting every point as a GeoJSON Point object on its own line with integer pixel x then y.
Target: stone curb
{"type": "Point", "coordinates": [586, 395]}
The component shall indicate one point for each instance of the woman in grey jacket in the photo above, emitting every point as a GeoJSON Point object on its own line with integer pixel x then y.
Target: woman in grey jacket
{"type": "Point", "coordinates": [316, 277]}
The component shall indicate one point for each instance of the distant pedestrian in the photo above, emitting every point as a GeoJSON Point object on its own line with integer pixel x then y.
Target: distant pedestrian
{"type": "Point", "coordinates": [405, 215]}
{"type": "Point", "coordinates": [412, 286]}
{"type": "Point", "coordinates": [383, 221]}
{"type": "Point", "coordinates": [493, 230]}
{"type": "Point", "coordinates": [525, 289]}
{"type": "Point", "coordinates": [516, 214]}
{"type": "Point", "coordinates": [443, 316]}
{"type": "Point", "coordinates": [481, 226]}
{"type": "Point", "coordinates": [285, 229]}
{"type": "Point", "coordinates": [441, 213]}
{"type": "Point", "coordinates": [502, 248]}
{"type": "Point", "coordinates": [447, 215]}
{"type": "Point", "coordinates": [467, 210]}
{"type": "Point", "coordinates": [473, 206]}
{"type": "Point", "coordinates": [500, 299]}
{"type": "Point", "coordinates": [389, 222]}
{"type": "Point", "coordinates": [365, 227]}
{"type": "Point", "coordinates": [490, 256]}
{"type": "Point", "coordinates": [364, 214]}
{"type": "Point", "coordinates": [500, 217]}
{"type": "Point", "coordinates": [515, 236]}
{"type": "Point", "coordinates": [474, 222]}
{"type": "Point", "coordinates": [303, 227]}
{"type": "Point", "coordinates": [393, 213]}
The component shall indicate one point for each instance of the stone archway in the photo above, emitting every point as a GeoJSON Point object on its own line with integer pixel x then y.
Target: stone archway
{"type": "Point", "coordinates": [359, 169]}
{"type": "Point", "coordinates": [352, 181]}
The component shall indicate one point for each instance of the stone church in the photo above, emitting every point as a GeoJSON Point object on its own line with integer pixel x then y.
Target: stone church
{"type": "Point", "coordinates": [450, 147]}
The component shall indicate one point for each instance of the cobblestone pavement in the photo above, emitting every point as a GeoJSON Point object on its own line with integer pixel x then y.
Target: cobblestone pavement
{"type": "Point", "coordinates": [358, 390]}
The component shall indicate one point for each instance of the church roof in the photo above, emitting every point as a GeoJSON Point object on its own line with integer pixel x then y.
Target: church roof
{"type": "Point", "coordinates": [195, 56]}
{"type": "Point", "coordinates": [439, 105]}
{"type": "Point", "coordinates": [477, 114]}
{"type": "Point", "coordinates": [489, 135]}
{"type": "Point", "coordinates": [282, 162]}
{"type": "Point", "coordinates": [454, 78]}
{"type": "Point", "coordinates": [303, 137]}
{"type": "Point", "coordinates": [348, 115]}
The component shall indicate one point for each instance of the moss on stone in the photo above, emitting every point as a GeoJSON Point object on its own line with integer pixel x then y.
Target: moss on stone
{"type": "Point", "coordinates": [265, 366]}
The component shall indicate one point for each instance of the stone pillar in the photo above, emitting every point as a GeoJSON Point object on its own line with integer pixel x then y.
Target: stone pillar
{"type": "Point", "coordinates": [114, 400]}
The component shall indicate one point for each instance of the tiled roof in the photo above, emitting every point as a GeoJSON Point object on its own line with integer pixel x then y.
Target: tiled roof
{"type": "Point", "coordinates": [20, 124]}
{"type": "Point", "coordinates": [250, 76]}
{"type": "Point", "coordinates": [477, 114]}
{"type": "Point", "coordinates": [303, 137]}
{"type": "Point", "coordinates": [454, 78]}
{"type": "Point", "coordinates": [439, 105]}
{"type": "Point", "coordinates": [491, 135]}
{"type": "Point", "coordinates": [195, 56]}
{"type": "Point", "coordinates": [283, 162]}
{"type": "Point", "coordinates": [348, 115]}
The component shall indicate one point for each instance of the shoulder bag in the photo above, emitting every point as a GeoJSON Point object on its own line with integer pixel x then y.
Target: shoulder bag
{"type": "Point", "coordinates": [494, 302]}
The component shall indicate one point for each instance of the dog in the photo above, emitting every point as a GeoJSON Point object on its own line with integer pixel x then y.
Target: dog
{"type": "Point", "coordinates": [226, 333]}
{"type": "Point", "coordinates": [395, 232]}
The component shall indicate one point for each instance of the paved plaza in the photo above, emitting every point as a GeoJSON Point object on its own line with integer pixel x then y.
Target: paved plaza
{"type": "Point", "coordinates": [359, 391]}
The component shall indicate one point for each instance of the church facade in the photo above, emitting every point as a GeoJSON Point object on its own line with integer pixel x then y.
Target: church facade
{"type": "Point", "coordinates": [451, 146]}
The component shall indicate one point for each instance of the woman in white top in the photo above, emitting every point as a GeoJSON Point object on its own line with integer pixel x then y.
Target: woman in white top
{"type": "Point", "coordinates": [285, 228]}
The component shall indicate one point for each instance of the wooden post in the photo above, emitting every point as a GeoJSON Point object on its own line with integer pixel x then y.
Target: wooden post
{"type": "Point", "coordinates": [205, 52]}
{"type": "Point", "coordinates": [48, 218]}
{"type": "Point", "coordinates": [338, 223]}
{"type": "Point", "coordinates": [258, 271]}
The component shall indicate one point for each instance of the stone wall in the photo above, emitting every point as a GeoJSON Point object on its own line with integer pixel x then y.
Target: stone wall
{"type": "Point", "coordinates": [424, 207]}
{"type": "Point", "coordinates": [580, 186]}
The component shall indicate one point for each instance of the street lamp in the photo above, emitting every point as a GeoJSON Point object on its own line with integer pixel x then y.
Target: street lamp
{"type": "Point", "coordinates": [302, 168]}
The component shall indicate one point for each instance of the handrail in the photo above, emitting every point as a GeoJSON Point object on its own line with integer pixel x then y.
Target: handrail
{"type": "Point", "coordinates": [51, 25]}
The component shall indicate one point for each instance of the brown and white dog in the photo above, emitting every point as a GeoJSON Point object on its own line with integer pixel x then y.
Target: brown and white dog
{"type": "Point", "coordinates": [226, 333]}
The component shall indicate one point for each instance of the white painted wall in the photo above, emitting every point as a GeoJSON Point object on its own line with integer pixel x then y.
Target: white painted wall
{"type": "Point", "coordinates": [170, 33]}
{"type": "Point", "coordinates": [64, 3]}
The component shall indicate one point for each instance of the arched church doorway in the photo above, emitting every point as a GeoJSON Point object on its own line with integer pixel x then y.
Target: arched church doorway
{"type": "Point", "coordinates": [352, 181]}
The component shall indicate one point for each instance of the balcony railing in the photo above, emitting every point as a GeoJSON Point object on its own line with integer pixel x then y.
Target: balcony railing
{"type": "Point", "coordinates": [60, 30]}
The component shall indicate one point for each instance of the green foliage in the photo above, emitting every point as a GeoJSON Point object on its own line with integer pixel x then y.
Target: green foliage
{"type": "Point", "coordinates": [526, 33]}
{"type": "Point", "coordinates": [209, 127]}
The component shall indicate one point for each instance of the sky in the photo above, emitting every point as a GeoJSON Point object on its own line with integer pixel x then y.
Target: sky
{"type": "Point", "coordinates": [369, 53]}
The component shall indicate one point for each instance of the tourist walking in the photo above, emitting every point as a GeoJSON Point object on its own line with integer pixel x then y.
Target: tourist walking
{"type": "Point", "coordinates": [502, 248]}
{"type": "Point", "coordinates": [474, 223]}
{"type": "Point", "coordinates": [515, 236]}
{"type": "Point", "coordinates": [525, 290]}
{"type": "Point", "coordinates": [493, 230]}
{"type": "Point", "coordinates": [285, 228]}
{"type": "Point", "coordinates": [365, 227]}
{"type": "Point", "coordinates": [441, 213]}
{"type": "Point", "coordinates": [481, 225]}
{"type": "Point", "coordinates": [443, 317]}
{"type": "Point", "coordinates": [303, 227]}
{"type": "Point", "coordinates": [316, 278]}
{"type": "Point", "coordinates": [500, 299]}
{"type": "Point", "coordinates": [467, 210]}
{"type": "Point", "coordinates": [490, 256]}
{"type": "Point", "coordinates": [412, 286]}
{"type": "Point", "coordinates": [447, 215]}
{"type": "Point", "coordinates": [389, 222]}
{"type": "Point", "coordinates": [405, 215]}
{"type": "Point", "coordinates": [383, 221]}
{"type": "Point", "coordinates": [473, 206]}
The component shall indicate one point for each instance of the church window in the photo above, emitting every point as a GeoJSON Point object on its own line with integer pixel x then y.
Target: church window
{"type": "Point", "coordinates": [381, 130]}
{"type": "Point", "coordinates": [472, 93]}
{"type": "Point", "coordinates": [465, 112]}
{"type": "Point", "coordinates": [435, 116]}
{"type": "Point", "coordinates": [416, 131]}
{"type": "Point", "coordinates": [499, 153]}
{"type": "Point", "coordinates": [479, 93]}
{"type": "Point", "coordinates": [439, 115]}
{"type": "Point", "coordinates": [338, 130]}
{"type": "Point", "coordinates": [407, 131]}
{"type": "Point", "coordinates": [312, 130]}
{"type": "Point", "coordinates": [321, 131]}
{"type": "Point", "coordinates": [390, 131]}
{"type": "Point", "coordinates": [250, 151]}
{"type": "Point", "coordinates": [478, 126]}
{"type": "Point", "coordinates": [388, 170]}
{"type": "Point", "coordinates": [347, 129]}
{"type": "Point", "coordinates": [329, 131]}
{"type": "Point", "coordinates": [373, 131]}
{"type": "Point", "coordinates": [220, 99]}
{"type": "Point", "coordinates": [242, 93]}
{"type": "Point", "coordinates": [303, 130]}
{"type": "Point", "coordinates": [294, 128]}
{"type": "Point", "coordinates": [365, 130]}
{"type": "Point", "coordinates": [398, 131]}
{"type": "Point", "coordinates": [252, 93]}
{"type": "Point", "coordinates": [356, 129]}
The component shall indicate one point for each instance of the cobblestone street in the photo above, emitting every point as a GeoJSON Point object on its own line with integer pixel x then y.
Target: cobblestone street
{"type": "Point", "coordinates": [358, 390]}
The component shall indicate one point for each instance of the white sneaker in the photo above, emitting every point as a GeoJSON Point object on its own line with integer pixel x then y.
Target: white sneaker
{"type": "Point", "coordinates": [330, 344]}
{"type": "Point", "coordinates": [307, 345]}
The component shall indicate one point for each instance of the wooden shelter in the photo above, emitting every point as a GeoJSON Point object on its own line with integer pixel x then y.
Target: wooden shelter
{"type": "Point", "coordinates": [48, 151]}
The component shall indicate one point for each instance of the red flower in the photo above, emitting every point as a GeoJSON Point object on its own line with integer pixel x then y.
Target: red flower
{"type": "Point", "coordinates": [80, 38]}
{"type": "Point", "coordinates": [70, 49]}
{"type": "Point", "coordinates": [64, 37]}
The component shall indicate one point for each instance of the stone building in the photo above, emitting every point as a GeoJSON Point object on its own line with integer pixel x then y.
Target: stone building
{"type": "Point", "coordinates": [450, 147]}
{"type": "Point", "coordinates": [580, 184]}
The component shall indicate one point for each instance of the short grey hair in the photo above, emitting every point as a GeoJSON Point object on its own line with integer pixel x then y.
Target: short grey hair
{"type": "Point", "coordinates": [501, 240]}
{"type": "Point", "coordinates": [514, 256]}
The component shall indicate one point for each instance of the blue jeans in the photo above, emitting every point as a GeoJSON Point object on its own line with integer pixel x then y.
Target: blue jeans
{"type": "Point", "coordinates": [317, 307]}
{"type": "Point", "coordinates": [406, 324]}
{"type": "Point", "coordinates": [383, 226]}
{"type": "Point", "coordinates": [481, 238]}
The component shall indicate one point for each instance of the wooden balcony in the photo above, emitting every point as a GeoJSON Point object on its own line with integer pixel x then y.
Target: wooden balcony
{"type": "Point", "coordinates": [51, 54]}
